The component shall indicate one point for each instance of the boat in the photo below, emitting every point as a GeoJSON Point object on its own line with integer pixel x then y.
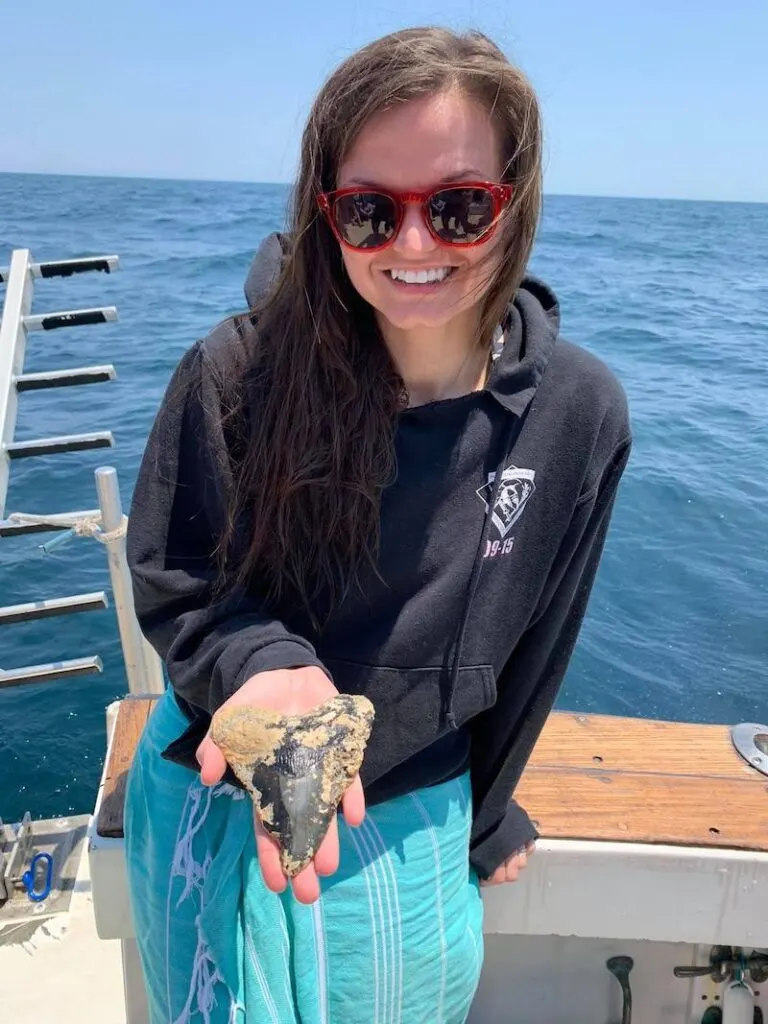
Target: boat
{"type": "Point", "coordinates": [646, 901]}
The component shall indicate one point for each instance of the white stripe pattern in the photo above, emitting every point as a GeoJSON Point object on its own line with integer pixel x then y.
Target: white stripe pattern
{"type": "Point", "coordinates": [263, 985]}
{"type": "Point", "coordinates": [322, 960]}
{"type": "Point", "coordinates": [168, 907]}
{"type": "Point", "coordinates": [353, 835]}
{"type": "Point", "coordinates": [438, 900]}
{"type": "Point", "coordinates": [397, 932]}
{"type": "Point", "coordinates": [286, 959]}
{"type": "Point", "coordinates": [462, 799]}
{"type": "Point", "coordinates": [478, 966]}
{"type": "Point", "coordinates": [386, 933]}
{"type": "Point", "coordinates": [387, 938]}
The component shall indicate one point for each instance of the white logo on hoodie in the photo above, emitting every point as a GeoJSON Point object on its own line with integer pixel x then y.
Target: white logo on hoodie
{"type": "Point", "coordinates": [516, 488]}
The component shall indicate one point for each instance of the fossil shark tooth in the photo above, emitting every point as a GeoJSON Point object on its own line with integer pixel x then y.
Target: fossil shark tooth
{"type": "Point", "coordinates": [296, 767]}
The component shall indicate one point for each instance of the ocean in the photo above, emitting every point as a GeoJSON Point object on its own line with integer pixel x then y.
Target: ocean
{"type": "Point", "coordinates": [672, 295]}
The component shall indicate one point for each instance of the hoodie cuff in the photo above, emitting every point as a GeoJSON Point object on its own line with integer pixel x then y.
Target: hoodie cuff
{"type": "Point", "coordinates": [512, 834]}
{"type": "Point", "coordinates": [277, 655]}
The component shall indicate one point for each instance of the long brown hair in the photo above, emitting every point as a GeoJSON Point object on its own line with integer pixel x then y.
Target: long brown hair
{"type": "Point", "coordinates": [320, 397]}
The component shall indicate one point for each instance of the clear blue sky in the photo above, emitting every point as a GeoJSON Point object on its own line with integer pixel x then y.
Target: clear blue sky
{"type": "Point", "coordinates": [644, 99]}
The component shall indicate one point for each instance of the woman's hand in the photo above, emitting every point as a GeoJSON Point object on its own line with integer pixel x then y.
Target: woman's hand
{"type": "Point", "coordinates": [292, 691]}
{"type": "Point", "coordinates": [511, 868]}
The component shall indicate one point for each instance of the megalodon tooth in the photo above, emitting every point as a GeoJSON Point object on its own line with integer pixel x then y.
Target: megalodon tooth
{"type": "Point", "coordinates": [296, 767]}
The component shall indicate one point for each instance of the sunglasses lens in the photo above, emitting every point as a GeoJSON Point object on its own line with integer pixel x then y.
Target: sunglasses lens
{"type": "Point", "coordinates": [366, 220]}
{"type": "Point", "coordinates": [461, 216]}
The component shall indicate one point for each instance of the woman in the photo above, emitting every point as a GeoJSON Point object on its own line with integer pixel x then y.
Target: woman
{"type": "Point", "coordinates": [390, 478]}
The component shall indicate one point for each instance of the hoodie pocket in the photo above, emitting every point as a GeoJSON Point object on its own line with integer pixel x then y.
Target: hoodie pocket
{"type": "Point", "coordinates": [409, 705]}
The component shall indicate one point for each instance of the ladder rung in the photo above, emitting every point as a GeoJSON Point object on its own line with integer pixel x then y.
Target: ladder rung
{"type": "Point", "coordinates": [64, 378]}
{"type": "Point", "coordinates": [65, 268]}
{"type": "Point", "coordinates": [70, 318]}
{"type": "Point", "coordinates": [53, 606]}
{"type": "Point", "coordinates": [50, 670]}
{"type": "Point", "coordinates": [13, 528]}
{"type": "Point", "coordinates": [57, 445]}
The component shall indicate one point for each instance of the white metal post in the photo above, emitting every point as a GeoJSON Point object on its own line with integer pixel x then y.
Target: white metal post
{"type": "Point", "coordinates": [13, 340]}
{"type": "Point", "coordinates": [136, 1008]}
{"type": "Point", "coordinates": [143, 666]}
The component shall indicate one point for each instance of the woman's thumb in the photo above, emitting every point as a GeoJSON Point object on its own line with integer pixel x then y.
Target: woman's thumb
{"type": "Point", "coordinates": [211, 761]}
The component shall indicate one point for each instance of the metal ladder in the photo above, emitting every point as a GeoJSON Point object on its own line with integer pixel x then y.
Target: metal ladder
{"type": "Point", "coordinates": [106, 523]}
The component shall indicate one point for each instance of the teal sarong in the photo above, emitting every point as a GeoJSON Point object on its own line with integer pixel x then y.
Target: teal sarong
{"type": "Point", "coordinates": [396, 937]}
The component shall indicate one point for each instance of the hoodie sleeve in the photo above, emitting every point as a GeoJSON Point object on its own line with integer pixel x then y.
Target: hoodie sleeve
{"type": "Point", "coordinates": [502, 741]}
{"type": "Point", "coordinates": [210, 646]}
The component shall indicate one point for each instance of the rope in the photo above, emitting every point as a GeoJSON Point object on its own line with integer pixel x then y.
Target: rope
{"type": "Point", "coordinates": [80, 526]}
{"type": "Point", "coordinates": [75, 526]}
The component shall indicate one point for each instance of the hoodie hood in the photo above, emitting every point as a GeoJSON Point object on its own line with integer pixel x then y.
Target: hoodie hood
{"type": "Point", "coordinates": [531, 328]}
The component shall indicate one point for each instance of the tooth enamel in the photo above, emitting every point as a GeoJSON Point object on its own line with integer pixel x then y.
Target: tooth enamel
{"type": "Point", "coordinates": [420, 276]}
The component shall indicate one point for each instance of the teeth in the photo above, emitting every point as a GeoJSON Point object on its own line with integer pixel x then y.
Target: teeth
{"type": "Point", "coordinates": [421, 276]}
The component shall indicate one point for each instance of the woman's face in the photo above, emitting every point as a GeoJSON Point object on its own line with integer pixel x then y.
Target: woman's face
{"type": "Point", "coordinates": [415, 147]}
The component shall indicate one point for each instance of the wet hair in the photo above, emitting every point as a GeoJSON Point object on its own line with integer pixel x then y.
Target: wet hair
{"type": "Point", "coordinates": [314, 412]}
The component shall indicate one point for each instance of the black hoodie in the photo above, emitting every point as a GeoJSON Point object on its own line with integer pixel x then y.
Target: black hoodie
{"type": "Point", "coordinates": [491, 536]}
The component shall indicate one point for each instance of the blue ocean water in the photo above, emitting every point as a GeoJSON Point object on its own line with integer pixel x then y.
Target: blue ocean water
{"type": "Point", "coordinates": [672, 295]}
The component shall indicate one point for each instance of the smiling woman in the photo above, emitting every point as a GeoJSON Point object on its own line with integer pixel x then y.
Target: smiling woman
{"type": "Point", "coordinates": [432, 263]}
{"type": "Point", "coordinates": [390, 478]}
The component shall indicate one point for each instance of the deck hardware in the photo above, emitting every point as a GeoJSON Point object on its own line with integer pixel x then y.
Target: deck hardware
{"type": "Point", "coordinates": [620, 967]}
{"type": "Point", "coordinates": [722, 960]}
{"type": "Point", "coordinates": [4, 894]}
{"type": "Point", "coordinates": [738, 1002]}
{"type": "Point", "coordinates": [751, 741]}
{"type": "Point", "coordinates": [728, 963]}
{"type": "Point", "coordinates": [757, 965]}
{"type": "Point", "coordinates": [38, 880]}
{"type": "Point", "coordinates": [714, 1015]}
{"type": "Point", "coordinates": [20, 854]}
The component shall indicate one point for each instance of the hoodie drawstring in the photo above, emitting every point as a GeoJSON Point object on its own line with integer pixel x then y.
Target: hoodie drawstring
{"type": "Point", "coordinates": [474, 579]}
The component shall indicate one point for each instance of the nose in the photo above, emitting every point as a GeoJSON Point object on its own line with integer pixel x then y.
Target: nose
{"type": "Point", "coordinates": [413, 238]}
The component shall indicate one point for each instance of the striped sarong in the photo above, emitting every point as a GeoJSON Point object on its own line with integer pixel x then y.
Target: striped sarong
{"type": "Point", "coordinates": [396, 937]}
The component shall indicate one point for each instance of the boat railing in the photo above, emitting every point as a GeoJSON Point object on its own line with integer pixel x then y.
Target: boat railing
{"type": "Point", "coordinates": [107, 523]}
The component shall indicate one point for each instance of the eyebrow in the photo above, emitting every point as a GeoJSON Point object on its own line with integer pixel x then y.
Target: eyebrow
{"type": "Point", "coordinates": [465, 174]}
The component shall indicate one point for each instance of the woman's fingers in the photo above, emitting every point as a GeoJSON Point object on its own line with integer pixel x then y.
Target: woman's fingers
{"type": "Point", "coordinates": [306, 885]}
{"type": "Point", "coordinates": [327, 856]}
{"type": "Point", "coordinates": [211, 761]}
{"type": "Point", "coordinates": [498, 876]}
{"type": "Point", "coordinates": [512, 869]}
{"type": "Point", "coordinates": [353, 803]}
{"type": "Point", "coordinates": [269, 858]}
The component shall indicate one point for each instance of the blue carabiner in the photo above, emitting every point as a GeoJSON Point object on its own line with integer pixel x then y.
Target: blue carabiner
{"type": "Point", "coordinates": [32, 877]}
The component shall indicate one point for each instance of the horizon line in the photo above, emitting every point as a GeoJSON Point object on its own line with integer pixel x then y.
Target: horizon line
{"type": "Point", "coordinates": [289, 184]}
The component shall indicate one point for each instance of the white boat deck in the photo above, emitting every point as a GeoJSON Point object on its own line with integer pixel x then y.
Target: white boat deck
{"type": "Point", "coordinates": [55, 970]}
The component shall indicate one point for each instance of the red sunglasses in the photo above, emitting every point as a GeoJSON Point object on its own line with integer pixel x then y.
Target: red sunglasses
{"type": "Point", "coordinates": [463, 214]}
